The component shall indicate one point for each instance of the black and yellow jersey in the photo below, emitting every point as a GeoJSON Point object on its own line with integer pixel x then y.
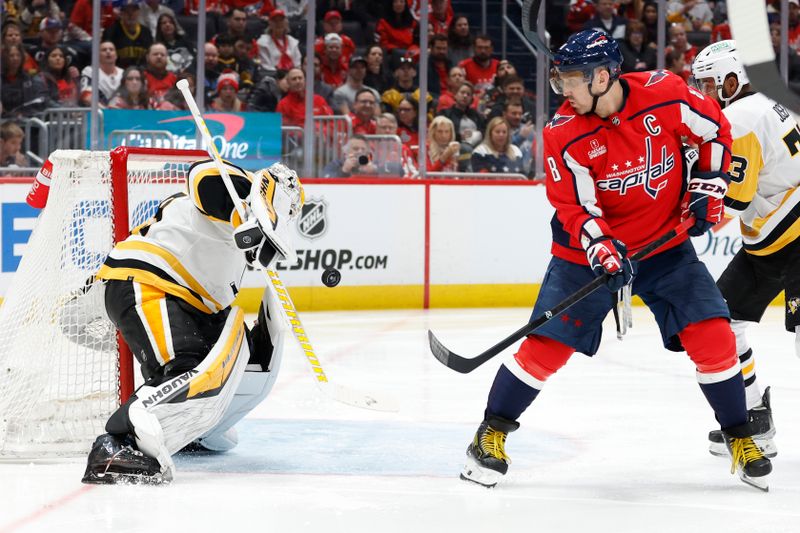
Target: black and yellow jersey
{"type": "Point", "coordinates": [187, 249]}
{"type": "Point", "coordinates": [765, 173]}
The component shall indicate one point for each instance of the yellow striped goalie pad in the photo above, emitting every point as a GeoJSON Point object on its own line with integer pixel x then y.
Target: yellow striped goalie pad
{"type": "Point", "coordinates": [214, 371]}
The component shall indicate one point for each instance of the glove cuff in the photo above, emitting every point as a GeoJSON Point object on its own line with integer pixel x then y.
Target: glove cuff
{"type": "Point", "coordinates": [594, 230]}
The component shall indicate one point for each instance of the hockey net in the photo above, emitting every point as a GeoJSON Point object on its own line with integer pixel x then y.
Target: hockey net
{"type": "Point", "coordinates": [63, 369]}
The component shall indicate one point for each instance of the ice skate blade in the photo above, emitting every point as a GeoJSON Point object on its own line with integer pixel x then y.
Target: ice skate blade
{"type": "Point", "coordinates": [480, 475]}
{"type": "Point", "coordinates": [116, 478]}
{"type": "Point", "coordinates": [760, 483]}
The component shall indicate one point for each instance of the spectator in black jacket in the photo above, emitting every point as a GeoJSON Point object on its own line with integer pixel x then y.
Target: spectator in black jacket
{"type": "Point", "coordinates": [129, 36]}
{"type": "Point", "coordinates": [636, 55]}
{"type": "Point", "coordinates": [606, 19]}
{"type": "Point", "coordinates": [22, 95]}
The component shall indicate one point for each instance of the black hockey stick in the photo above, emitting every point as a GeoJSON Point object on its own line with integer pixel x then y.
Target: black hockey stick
{"type": "Point", "coordinates": [530, 17]}
{"type": "Point", "coordinates": [466, 365]}
{"type": "Point", "coordinates": [751, 31]}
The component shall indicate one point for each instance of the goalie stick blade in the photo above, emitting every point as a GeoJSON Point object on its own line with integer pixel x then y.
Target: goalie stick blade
{"type": "Point", "coordinates": [530, 15]}
{"type": "Point", "coordinates": [358, 398]}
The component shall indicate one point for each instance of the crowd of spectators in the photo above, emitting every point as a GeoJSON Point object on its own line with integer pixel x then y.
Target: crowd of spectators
{"type": "Point", "coordinates": [365, 59]}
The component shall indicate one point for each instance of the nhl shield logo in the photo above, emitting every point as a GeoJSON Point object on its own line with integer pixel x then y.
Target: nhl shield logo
{"type": "Point", "coordinates": [312, 222]}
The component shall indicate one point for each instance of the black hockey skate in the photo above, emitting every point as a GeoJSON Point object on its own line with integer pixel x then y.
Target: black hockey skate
{"type": "Point", "coordinates": [115, 459]}
{"type": "Point", "coordinates": [747, 459]}
{"type": "Point", "coordinates": [761, 421]}
{"type": "Point", "coordinates": [487, 461]}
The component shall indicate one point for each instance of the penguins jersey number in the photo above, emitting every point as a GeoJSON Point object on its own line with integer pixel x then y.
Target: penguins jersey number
{"type": "Point", "coordinates": [765, 173]}
{"type": "Point", "coordinates": [186, 249]}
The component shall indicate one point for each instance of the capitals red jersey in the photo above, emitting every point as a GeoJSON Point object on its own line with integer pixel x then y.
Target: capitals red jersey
{"type": "Point", "coordinates": [623, 176]}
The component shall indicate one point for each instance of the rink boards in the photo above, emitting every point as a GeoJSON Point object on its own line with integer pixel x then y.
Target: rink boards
{"type": "Point", "coordinates": [397, 243]}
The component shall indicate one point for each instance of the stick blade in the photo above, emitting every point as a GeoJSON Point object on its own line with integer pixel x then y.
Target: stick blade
{"type": "Point", "coordinates": [446, 357]}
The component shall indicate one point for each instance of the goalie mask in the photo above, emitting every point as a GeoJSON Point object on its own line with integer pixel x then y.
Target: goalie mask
{"type": "Point", "coordinates": [275, 200]}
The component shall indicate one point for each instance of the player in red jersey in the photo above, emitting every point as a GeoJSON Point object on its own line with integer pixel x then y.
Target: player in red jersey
{"type": "Point", "coordinates": [613, 156]}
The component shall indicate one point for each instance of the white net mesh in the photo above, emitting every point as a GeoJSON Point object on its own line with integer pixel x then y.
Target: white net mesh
{"type": "Point", "coordinates": [59, 359]}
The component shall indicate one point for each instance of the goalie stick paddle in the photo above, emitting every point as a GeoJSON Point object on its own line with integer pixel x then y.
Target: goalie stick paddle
{"type": "Point", "coordinates": [750, 29]}
{"type": "Point", "coordinates": [466, 365]}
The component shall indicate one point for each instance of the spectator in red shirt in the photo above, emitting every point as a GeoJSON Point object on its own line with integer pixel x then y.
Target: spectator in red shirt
{"type": "Point", "coordinates": [332, 23]}
{"type": "Point", "coordinates": [292, 107]}
{"type": "Point", "coordinates": [794, 24]}
{"type": "Point", "coordinates": [679, 43]}
{"type": "Point", "coordinates": [61, 85]}
{"type": "Point", "coordinates": [440, 17]}
{"type": "Point", "coordinates": [481, 68]}
{"type": "Point", "coordinates": [159, 79]}
{"type": "Point", "coordinates": [407, 124]}
{"type": "Point", "coordinates": [396, 30]}
{"type": "Point", "coordinates": [333, 65]}
{"type": "Point", "coordinates": [363, 115]}
{"type": "Point", "coordinates": [81, 15]}
{"type": "Point", "coordinates": [580, 11]}
{"type": "Point", "coordinates": [454, 79]}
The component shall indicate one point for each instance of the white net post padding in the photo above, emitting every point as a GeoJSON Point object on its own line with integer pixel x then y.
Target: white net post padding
{"type": "Point", "coordinates": [59, 356]}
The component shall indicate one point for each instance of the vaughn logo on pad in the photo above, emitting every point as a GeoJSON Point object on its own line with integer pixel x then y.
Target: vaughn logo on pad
{"type": "Point", "coordinates": [312, 222]}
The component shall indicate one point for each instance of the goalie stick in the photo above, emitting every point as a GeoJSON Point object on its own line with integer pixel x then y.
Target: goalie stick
{"type": "Point", "coordinates": [751, 31]}
{"type": "Point", "coordinates": [466, 365]}
{"type": "Point", "coordinates": [336, 392]}
{"type": "Point", "coordinates": [530, 15]}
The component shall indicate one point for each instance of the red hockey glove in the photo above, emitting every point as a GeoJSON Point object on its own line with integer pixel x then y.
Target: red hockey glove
{"type": "Point", "coordinates": [609, 256]}
{"type": "Point", "coordinates": [705, 200]}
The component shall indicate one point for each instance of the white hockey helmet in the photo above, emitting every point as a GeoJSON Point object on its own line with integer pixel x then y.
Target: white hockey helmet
{"type": "Point", "coordinates": [717, 61]}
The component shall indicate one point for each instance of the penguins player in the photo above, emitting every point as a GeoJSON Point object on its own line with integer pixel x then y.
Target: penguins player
{"type": "Point", "coordinates": [764, 195]}
{"type": "Point", "coordinates": [168, 289]}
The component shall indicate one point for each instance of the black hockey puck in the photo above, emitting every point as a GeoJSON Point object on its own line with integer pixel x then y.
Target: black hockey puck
{"type": "Point", "coordinates": [331, 277]}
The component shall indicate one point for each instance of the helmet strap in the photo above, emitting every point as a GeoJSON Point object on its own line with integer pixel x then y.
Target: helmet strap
{"type": "Point", "coordinates": [596, 97]}
{"type": "Point", "coordinates": [729, 99]}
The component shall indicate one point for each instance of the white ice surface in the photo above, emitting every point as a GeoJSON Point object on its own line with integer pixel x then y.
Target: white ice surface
{"type": "Point", "coordinates": [616, 443]}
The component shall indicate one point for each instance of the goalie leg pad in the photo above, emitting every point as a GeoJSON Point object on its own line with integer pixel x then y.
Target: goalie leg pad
{"type": "Point", "coordinates": [166, 417]}
{"type": "Point", "coordinates": [268, 337]}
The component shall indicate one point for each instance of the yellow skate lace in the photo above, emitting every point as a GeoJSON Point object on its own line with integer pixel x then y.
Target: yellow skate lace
{"type": "Point", "coordinates": [493, 443]}
{"type": "Point", "coordinates": [744, 451]}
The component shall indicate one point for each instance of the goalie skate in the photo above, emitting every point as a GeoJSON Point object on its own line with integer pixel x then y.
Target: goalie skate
{"type": "Point", "coordinates": [114, 460]}
{"type": "Point", "coordinates": [761, 419]}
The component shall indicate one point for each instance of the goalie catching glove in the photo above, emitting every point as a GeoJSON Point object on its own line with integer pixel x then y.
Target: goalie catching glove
{"type": "Point", "coordinates": [609, 256]}
{"type": "Point", "coordinates": [275, 199]}
{"type": "Point", "coordinates": [704, 200]}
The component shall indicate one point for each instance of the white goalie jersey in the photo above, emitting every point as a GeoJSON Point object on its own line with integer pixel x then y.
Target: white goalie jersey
{"type": "Point", "coordinates": [187, 249]}
{"type": "Point", "coordinates": [765, 173]}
